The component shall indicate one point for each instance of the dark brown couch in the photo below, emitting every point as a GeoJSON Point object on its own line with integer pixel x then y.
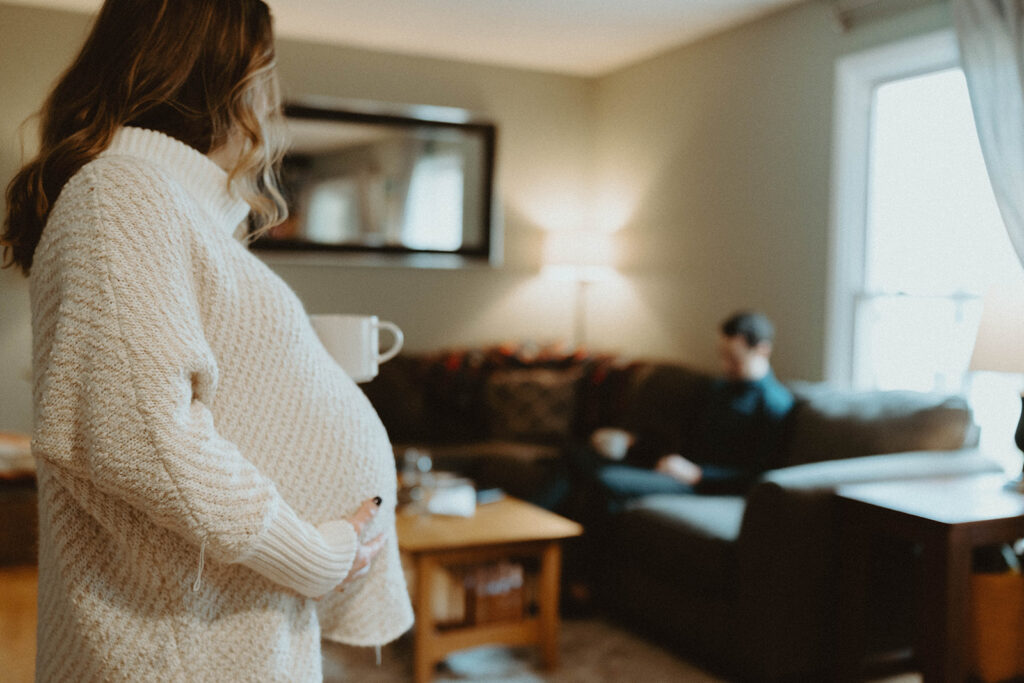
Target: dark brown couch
{"type": "Point", "coordinates": [744, 583]}
{"type": "Point", "coordinates": [748, 583]}
{"type": "Point", "coordinates": [500, 415]}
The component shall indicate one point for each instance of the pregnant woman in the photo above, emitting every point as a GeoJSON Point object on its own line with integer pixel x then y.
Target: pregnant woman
{"type": "Point", "coordinates": [215, 493]}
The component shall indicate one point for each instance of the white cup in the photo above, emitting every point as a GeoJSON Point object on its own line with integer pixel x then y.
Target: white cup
{"type": "Point", "coordinates": [612, 443]}
{"type": "Point", "coordinates": [354, 342]}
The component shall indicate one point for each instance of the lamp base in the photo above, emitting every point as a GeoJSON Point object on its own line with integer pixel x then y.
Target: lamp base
{"type": "Point", "coordinates": [1017, 483]}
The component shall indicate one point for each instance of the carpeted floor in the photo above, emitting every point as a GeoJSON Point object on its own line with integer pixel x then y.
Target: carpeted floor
{"type": "Point", "coordinates": [592, 651]}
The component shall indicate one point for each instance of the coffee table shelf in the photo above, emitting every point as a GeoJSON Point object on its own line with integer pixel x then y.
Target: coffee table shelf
{"type": "Point", "coordinates": [505, 529]}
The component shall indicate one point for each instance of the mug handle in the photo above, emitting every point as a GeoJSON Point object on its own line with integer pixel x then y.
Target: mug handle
{"type": "Point", "coordinates": [396, 346]}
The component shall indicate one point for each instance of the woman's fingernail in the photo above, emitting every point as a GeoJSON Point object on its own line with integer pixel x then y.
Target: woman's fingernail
{"type": "Point", "coordinates": [378, 500]}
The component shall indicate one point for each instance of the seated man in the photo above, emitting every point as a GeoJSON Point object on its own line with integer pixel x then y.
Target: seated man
{"type": "Point", "coordinates": [733, 437]}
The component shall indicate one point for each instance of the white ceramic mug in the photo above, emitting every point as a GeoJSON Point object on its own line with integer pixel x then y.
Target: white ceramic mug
{"type": "Point", "coordinates": [611, 442]}
{"type": "Point", "coordinates": [354, 342]}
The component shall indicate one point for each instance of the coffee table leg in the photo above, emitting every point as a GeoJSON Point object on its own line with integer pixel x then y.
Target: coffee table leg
{"type": "Point", "coordinates": [550, 572]}
{"type": "Point", "coordinates": [423, 647]}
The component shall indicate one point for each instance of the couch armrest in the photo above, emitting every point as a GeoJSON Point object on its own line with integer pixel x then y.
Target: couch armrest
{"type": "Point", "coordinates": [787, 567]}
{"type": "Point", "coordinates": [914, 465]}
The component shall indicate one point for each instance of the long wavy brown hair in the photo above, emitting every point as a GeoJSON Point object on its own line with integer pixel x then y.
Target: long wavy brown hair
{"type": "Point", "coordinates": [200, 71]}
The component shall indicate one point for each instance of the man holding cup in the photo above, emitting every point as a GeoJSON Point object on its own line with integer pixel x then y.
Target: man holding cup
{"type": "Point", "coordinates": [732, 439]}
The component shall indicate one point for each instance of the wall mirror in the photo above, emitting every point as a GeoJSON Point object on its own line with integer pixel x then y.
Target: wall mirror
{"type": "Point", "coordinates": [400, 183]}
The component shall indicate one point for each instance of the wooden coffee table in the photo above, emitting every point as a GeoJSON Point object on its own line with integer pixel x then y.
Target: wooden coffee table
{"type": "Point", "coordinates": [946, 518]}
{"type": "Point", "coordinates": [505, 529]}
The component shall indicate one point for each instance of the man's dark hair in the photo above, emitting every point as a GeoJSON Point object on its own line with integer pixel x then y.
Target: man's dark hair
{"type": "Point", "coordinates": [755, 327]}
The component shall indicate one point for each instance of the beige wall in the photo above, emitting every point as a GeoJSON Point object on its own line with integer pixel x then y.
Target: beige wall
{"type": "Point", "coordinates": [34, 47]}
{"type": "Point", "coordinates": [712, 160]}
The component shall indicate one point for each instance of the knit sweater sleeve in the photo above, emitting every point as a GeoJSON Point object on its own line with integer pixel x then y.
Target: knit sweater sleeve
{"type": "Point", "coordinates": [132, 377]}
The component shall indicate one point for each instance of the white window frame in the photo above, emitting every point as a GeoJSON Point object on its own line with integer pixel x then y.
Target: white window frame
{"type": "Point", "coordinates": [857, 77]}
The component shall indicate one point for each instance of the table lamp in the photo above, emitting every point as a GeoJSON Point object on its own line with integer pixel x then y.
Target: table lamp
{"type": "Point", "coordinates": [999, 346]}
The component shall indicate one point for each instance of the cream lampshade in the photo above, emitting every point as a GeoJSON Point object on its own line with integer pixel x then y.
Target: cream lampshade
{"type": "Point", "coordinates": [999, 346]}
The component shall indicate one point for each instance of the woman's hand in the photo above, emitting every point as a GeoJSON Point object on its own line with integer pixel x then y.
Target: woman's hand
{"type": "Point", "coordinates": [367, 550]}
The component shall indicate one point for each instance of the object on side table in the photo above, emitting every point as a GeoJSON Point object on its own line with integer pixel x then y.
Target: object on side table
{"type": "Point", "coordinates": [1000, 339]}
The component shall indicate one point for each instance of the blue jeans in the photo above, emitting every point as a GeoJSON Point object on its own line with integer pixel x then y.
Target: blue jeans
{"type": "Point", "coordinates": [626, 481]}
{"type": "Point", "coordinates": [603, 486]}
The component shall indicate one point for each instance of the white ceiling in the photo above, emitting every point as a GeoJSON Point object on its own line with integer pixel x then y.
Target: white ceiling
{"type": "Point", "coordinates": [583, 37]}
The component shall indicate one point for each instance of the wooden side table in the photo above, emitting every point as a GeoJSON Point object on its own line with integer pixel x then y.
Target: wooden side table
{"type": "Point", "coordinates": [508, 528]}
{"type": "Point", "coordinates": [946, 518]}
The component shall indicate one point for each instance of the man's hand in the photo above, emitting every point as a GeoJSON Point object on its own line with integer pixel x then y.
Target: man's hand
{"type": "Point", "coordinates": [680, 469]}
{"type": "Point", "coordinates": [612, 443]}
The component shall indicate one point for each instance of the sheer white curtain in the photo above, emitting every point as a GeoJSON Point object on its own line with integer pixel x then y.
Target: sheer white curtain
{"type": "Point", "coordinates": [991, 36]}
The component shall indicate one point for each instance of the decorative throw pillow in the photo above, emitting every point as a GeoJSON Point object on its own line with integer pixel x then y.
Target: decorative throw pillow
{"type": "Point", "coordinates": [531, 405]}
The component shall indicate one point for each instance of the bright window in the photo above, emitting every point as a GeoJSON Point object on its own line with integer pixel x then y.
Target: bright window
{"type": "Point", "coordinates": [934, 238]}
{"type": "Point", "coordinates": [918, 235]}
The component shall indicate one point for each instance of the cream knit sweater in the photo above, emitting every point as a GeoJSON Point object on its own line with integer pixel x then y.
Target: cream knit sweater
{"type": "Point", "coordinates": [194, 442]}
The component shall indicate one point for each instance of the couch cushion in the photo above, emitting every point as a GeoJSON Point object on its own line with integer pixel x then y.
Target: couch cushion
{"type": "Point", "coordinates": [531, 405]}
{"type": "Point", "coordinates": [829, 424]}
{"type": "Point", "coordinates": [443, 396]}
{"type": "Point", "coordinates": [686, 538]}
{"type": "Point", "coordinates": [397, 396]}
{"type": "Point", "coordinates": [664, 394]}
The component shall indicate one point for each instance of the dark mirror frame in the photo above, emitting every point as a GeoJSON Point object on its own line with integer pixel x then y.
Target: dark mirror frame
{"type": "Point", "coordinates": [411, 117]}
